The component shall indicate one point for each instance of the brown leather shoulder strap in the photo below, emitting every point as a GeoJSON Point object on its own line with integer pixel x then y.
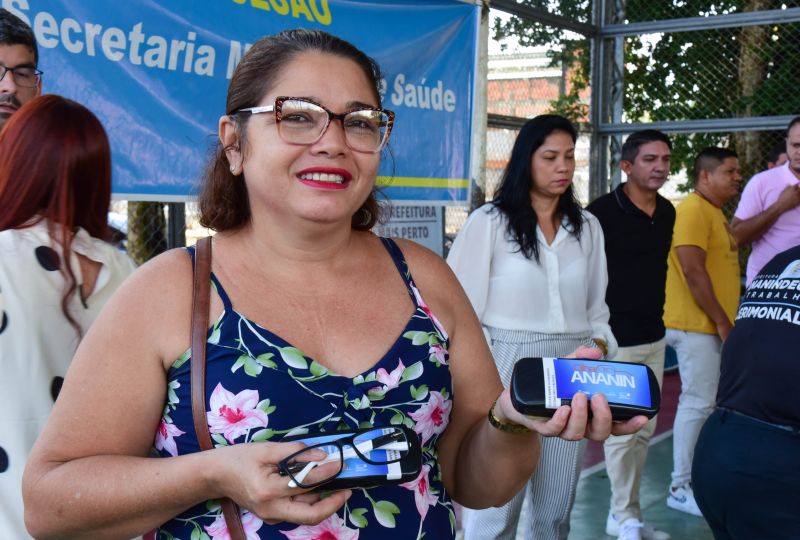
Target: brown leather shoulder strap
{"type": "Point", "coordinates": [201, 303]}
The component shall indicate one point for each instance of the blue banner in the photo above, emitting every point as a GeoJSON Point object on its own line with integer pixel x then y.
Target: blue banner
{"type": "Point", "coordinates": [156, 74]}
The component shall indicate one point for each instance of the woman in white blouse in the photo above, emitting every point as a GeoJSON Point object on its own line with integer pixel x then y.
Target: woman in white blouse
{"type": "Point", "coordinates": [55, 189]}
{"type": "Point", "coordinates": [533, 265]}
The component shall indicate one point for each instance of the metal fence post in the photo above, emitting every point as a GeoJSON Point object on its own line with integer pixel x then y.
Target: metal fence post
{"type": "Point", "coordinates": [176, 225]}
{"type": "Point", "coordinates": [598, 169]}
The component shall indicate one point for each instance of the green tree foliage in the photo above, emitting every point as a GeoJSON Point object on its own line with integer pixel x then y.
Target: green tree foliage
{"type": "Point", "coordinates": [709, 74]}
{"type": "Point", "coordinates": [572, 50]}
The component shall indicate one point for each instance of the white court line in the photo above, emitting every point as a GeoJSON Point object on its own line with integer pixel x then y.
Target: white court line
{"type": "Point", "coordinates": [602, 465]}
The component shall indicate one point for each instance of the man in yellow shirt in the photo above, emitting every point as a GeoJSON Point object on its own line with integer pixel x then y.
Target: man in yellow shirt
{"type": "Point", "coordinates": [701, 299]}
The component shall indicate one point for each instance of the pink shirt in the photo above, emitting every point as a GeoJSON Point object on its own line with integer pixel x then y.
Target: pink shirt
{"type": "Point", "coordinates": [760, 193]}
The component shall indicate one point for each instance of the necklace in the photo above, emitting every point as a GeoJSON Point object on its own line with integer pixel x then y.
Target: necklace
{"type": "Point", "coordinates": [706, 198]}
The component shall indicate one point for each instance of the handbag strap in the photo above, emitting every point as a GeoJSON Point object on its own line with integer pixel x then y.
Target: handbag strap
{"type": "Point", "coordinates": [201, 302]}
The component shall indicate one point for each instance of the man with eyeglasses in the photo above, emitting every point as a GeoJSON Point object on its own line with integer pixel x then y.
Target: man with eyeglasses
{"type": "Point", "coordinates": [20, 81]}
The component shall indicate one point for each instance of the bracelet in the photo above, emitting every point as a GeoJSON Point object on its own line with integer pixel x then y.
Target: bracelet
{"type": "Point", "coordinates": [505, 426]}
{"type": "Point", "coordinates": [602, 345]}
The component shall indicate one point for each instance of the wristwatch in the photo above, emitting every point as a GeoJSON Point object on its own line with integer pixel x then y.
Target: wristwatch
{"type": "Point", "coordinates": [602, 345]}
{"type": "Point", "coordinates": [508, 427]}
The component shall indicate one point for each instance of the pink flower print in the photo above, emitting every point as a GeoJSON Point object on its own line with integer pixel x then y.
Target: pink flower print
{"type": "Point", "coordinates": [333, 528]}
{"type": "Point", "coordinates": [391, 380]}
{"type": "Point", "coordinates": [251, 523]}
{"type": "Point", "coordinates": [438, 351]}
{"type": "Point", "coordinates": [233, 415]}
{"type": "Point", "coordinates": [423, 496]}
{"type": "Point", "coordinates": [432, 418]}
{"type": "Point", "coordinates": [165, 437]}
{"type": "Point", "coordinates": [428, 312]}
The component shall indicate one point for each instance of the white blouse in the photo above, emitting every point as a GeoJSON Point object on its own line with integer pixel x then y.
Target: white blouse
{"type": "Point", "coordinates": [37, 342]}
{"type": "Point", "coordinates": [562, 293]}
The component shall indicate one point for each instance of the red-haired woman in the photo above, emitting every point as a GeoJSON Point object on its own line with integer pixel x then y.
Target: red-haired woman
{"type": "Point", "coordinates": [56, 269]}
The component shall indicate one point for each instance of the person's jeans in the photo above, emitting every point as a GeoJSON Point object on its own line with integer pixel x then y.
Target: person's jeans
{"type": "Point", "coordinates": [626, 454]}
{"type": "Point", "coordinates": [746, 477]}
{"type": "Point", "coordinates": [698, 361]}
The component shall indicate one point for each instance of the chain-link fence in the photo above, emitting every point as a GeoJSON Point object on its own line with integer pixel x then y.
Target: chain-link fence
{"type": "Point", "coordinates": [146, 228]}
{"type": "Point", "coordinates": [636, 11]}
{"type": "Point", "coordinates": [709, 72]}
{"type": "Point", "coordinates": [714, 78]}
{"type": "Point", "coordinates": [140, 228]}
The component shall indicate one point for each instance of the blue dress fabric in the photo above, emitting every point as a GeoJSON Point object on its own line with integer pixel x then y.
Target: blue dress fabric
{"type": "Point", "coordinates": [261, 388]}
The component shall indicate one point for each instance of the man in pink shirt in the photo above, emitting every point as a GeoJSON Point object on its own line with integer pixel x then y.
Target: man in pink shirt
{"type": "Point", "coordinates": [768, 215]}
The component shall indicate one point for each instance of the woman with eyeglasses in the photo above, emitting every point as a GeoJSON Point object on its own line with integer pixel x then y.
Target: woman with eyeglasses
{"type": "Point", "coordinates": [317, 326]}
{"type": "Point", "coordinates": [57, 269]}
{"type": "Point", "coordinates": [532, 264]}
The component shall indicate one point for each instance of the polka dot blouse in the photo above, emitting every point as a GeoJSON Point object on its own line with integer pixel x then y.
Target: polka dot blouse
{"type": "Point", "coordinates": [37, 342]}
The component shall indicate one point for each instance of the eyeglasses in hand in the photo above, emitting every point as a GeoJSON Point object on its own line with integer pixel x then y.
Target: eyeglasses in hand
{"type": "Point", "coordinates": [379, 446]}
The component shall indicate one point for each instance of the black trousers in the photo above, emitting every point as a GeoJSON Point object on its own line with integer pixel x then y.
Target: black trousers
{"type": "Point", "coordinates": [746, 478]}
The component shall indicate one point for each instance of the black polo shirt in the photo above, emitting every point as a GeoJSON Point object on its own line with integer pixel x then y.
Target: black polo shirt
{"type": "Point", "coordinates": [760, 363]}
{"type": "Point", "coordinates": [637, 247]}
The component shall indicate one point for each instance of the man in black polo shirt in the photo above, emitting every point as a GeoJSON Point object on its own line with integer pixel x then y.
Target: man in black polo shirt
{"type": "Point", "coordinates": [746, 468]}
{"type": "Point", "coordinates": [637, 224]}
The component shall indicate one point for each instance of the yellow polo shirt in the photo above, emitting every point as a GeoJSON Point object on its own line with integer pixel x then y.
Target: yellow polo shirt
{"type": "Point", "coordinates": [700, 223]}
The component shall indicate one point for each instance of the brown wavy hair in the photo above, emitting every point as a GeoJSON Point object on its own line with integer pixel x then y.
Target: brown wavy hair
{"type": "Point", "coordinates": [224, 203]}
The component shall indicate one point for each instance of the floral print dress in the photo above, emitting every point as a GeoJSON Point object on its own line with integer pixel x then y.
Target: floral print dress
{"type": "Point", "coordinates": [261, 388]}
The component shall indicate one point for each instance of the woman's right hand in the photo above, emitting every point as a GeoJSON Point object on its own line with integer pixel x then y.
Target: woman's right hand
{"type": "Point", "coordinates": [248, 474]}
{"type": "Point", "coordinates": [571, 422]}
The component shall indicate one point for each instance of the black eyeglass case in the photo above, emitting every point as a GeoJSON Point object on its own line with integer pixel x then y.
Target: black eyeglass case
{"type": "Point", "coordinates": [360, 474]}
{"type": "Point", "coordinates": [540, 385]}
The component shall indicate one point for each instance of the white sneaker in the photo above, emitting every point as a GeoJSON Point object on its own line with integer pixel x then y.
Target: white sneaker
{"type": "Point", "coordinates": [634, 529]}
{"type": "Point", "coordinates": [630, 529]}
{"type": "Point", "coordinates": [682, 498]}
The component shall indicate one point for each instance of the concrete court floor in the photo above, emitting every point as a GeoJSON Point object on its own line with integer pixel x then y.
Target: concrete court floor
{"type": "Point", "coordinates": [588, 520]}
{"type": "Point", "coordinates": [591, 505]}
